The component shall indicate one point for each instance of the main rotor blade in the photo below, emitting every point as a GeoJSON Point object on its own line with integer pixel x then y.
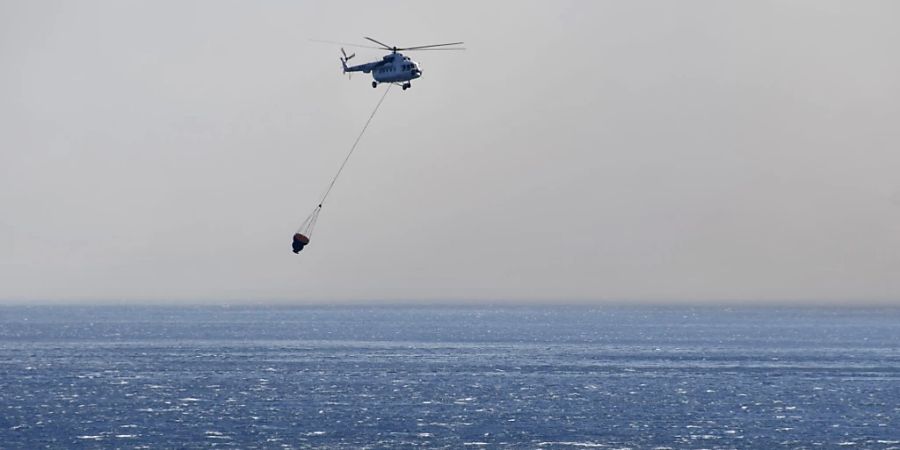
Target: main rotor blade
{"type": "Point", "coordinates": [429, 49]}
{"type": "Point", "coordinates": [345, 43]}
{"type": "Point", "coordinates": [429, 46]}
{"type": "Point", "coordinates": [387, 47]}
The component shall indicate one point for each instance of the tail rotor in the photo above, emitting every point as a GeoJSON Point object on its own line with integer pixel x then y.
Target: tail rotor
{"type": "Point", "coordinates": [344, 60]}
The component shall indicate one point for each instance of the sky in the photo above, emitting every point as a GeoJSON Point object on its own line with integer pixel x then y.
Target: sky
{"type": "Point", "coordinates": [602, 151]}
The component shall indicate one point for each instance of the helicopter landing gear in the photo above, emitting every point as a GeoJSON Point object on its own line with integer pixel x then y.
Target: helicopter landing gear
{"type": "Point", "coordinates": [374, 84]}
{"type": "Point", "coordinates": [406, 86]}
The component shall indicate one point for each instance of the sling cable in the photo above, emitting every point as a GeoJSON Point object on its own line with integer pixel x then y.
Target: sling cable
{"type": "Point", "coordinates": [304, 232]}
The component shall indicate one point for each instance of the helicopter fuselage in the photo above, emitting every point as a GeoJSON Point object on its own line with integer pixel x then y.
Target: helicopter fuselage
{"type": "Point", "coordinates": [393, 68]}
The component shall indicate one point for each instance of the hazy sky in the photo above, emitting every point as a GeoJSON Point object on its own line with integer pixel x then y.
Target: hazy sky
{"type": "Point", "coordinates": [577, 151]}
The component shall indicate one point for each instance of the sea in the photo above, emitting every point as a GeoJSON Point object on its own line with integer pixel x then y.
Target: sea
{"type": "Point", "coordinates": [449, 377]}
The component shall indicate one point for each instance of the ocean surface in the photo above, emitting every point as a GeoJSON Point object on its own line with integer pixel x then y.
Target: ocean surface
{"type": "Point", "coordinates": [449, 377]}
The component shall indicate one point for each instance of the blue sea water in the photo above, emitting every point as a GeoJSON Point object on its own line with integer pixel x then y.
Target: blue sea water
{"type": "Point", "coordinates": [449, 377]}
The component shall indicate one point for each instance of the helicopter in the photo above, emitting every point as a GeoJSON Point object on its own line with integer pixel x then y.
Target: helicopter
{"type": "Point", "coordinates": [395, 68]}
